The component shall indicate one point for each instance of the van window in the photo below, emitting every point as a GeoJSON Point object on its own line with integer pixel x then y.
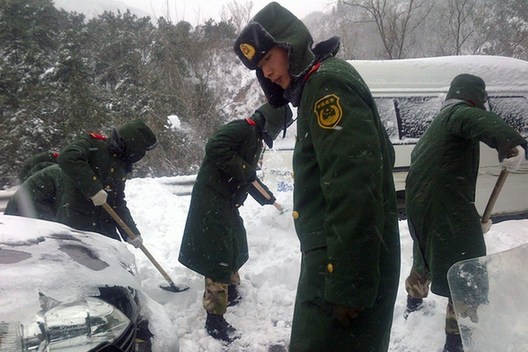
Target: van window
{"type": "Point", "coordinates": [388, 117]}
{"type": "Point", "coordinates": [513, 110]}
{"type": "Point", "coordinates": [407, 118]}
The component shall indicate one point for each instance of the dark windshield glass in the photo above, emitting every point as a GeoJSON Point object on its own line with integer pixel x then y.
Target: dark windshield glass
{"type": "Point", "coordinates": [407, 118]}
{"type": "Point", "coordinates": [513, 110]}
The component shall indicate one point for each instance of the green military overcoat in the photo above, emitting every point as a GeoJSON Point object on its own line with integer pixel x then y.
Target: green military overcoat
{"type": "Point", "coordinates": [39, 196]}
{"type": "Point", "coordinates": [94, 162]}
{"type": "Point", "coordinates": [440, 186]}
{"type": "Point", "coordinates": [214, 241]}
{"type": "Point", "coordinates": [345, 204]}
{"type": "Point", "coordinates": [344, 197]}
{"type": "Point", "coordinates": [35, 163]}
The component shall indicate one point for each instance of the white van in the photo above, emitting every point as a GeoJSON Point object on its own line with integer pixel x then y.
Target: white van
{"type": "Point", "coordinates": [409, 94]}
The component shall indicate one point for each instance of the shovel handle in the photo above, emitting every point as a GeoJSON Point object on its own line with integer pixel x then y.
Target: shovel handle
{"type": "Point", "coordinates": [496, 190]}
{"type": "Point", "coordinates": [261, 190]}
{"type": "Point", "coordinates": [131, 234]}
{"type": "Point", "coordinates": [267, 195]}
{"type": "Point", "coordinates": [494, 195]}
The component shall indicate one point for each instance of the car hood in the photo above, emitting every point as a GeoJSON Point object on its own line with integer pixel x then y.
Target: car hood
{"type": "Point", "coordinates": [46, 258]}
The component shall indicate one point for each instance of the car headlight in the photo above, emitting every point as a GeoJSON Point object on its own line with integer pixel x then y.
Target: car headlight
{"type": "Point", "coordinates": [75, 327]}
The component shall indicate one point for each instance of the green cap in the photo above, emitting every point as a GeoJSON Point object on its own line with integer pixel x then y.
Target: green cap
{"type": "Point", "coordinates": [469, 88]}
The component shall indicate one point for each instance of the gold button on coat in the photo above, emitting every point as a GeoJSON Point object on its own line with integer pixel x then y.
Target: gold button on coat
{"type": "Point", "coordinates": [295, 215]}
{"type": "Point", "coordinates": [330, 268]}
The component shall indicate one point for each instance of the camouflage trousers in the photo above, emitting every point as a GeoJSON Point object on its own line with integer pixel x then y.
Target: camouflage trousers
{"type": "Point", "coordinates": [417, 286]}
{"type": "Point", "coordinates": [215, 295]}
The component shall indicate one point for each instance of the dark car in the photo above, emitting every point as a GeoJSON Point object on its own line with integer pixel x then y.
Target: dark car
{"type": "Point", "coordinates": [67, 290]}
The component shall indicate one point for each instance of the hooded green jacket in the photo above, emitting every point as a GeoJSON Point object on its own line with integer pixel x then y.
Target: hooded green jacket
{"type": "Point", "coordinates": [90, 167]}
{"type": "Point", "coordinates": [440, 186]}
{"type": "Point", "coordinates": [94, 162]}
{"type": "Point", "coordinates": [39, 196]}
{"type": "Point", "coordinates": [214, 241]}
{"type": "Point", "coordinates": [344, 196]}
{"type": "Point", "coordinates": [35, 163]}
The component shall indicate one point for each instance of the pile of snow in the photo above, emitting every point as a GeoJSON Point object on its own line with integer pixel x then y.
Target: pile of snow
{"type": "Point", "coordinates": [269, 278]}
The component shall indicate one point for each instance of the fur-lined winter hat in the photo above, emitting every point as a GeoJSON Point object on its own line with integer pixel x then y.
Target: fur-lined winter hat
{"type": "Point", "coordinates": [275, 26]}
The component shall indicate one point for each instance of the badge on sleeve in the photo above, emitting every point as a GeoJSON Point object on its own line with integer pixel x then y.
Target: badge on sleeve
{"type": "Point", "coordinates": [328, 111]}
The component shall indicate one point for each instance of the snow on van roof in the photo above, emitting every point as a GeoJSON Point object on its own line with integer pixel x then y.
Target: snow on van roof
{"type": "Point", "coordinates": [503, 75]}
{"type": "Point", "coordinates": [434, 74]}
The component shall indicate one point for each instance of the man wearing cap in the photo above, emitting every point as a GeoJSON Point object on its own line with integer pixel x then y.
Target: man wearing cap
{"type": "Point", "coordinates": [440, 193]}
{"type": "Point", "coordinates": [344, 198]}
{"type": "Point", "coordinates": [214, 242]}
{"type": "Point", "coordinates": [96, 168]}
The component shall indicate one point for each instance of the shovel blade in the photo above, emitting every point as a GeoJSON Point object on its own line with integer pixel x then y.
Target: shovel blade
{"type": "Point", "coordinates": [174, 288]}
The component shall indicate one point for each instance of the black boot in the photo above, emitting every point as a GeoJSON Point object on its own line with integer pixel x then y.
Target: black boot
{"type": "Point", "coordinates": [453, 343]}
{"type": "Point", "coordinates": [413, 304]}
{"type": "Point", "coordinates": [233, 297]}
{"type": "Point", "coordinates": [219, 328]}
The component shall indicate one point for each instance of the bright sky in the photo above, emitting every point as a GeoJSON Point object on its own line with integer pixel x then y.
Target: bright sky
{"type": "Point", "coordinates": [198, 11]}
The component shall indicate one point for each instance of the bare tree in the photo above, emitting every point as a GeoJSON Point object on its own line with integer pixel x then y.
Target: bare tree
{"type": "Point", "coordinates": [239, 13]}
{"type": "Point", "coordinates": [395, 21]}
{"type": "Point", "coordinates": [503, 28]}
{"type": "Point", "coordinates": [457, 23]}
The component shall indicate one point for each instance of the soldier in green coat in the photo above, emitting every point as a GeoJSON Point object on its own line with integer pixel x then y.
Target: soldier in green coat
{"type": "Point", "coordinates": [440, 191]}
{"type": "Point", "coordinates": [96, 169]}
{"type": "Point", "coordinates": [37, 162]}
{"type": "Point", "coordinates": [344, 197]}
{"type": "Point", "coordinates": [214, 241]}
{"type": "Point", "coordinates": [39, 196]}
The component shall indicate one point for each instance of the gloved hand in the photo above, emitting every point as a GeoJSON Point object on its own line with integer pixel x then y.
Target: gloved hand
{"type": "Point", "coordinates": [344, 315]}
{"type": "Point", "coordinates": [486, 226]}
{"type": "Point", "coordinates": [136, 242]}
{"type": "Point", "coordinates": [99, 198]}
{"type": "Point", "coordinates": [513, 163]}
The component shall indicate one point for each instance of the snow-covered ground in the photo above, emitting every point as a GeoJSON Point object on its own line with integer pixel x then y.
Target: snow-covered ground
{"type": "Point", "coordinates": [269, 278]}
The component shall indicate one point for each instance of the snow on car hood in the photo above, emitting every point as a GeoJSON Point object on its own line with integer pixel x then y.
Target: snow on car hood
{"type": "Point", "coordinates": [42, 257]}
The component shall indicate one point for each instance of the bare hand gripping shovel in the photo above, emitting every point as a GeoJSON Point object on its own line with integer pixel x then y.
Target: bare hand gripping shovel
{"type": "Point", "coordinates": [171, 286]}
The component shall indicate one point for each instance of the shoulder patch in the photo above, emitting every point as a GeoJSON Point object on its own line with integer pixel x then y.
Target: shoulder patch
{"type": "Point", "coordinates": [328, 111]}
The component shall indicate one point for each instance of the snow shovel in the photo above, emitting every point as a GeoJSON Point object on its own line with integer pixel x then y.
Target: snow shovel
{"type": "Point", "coordinates": [171, 286]}
{"type": "Point", "coordinates": [267, 196]}
{"type": "Point", "coordinates": [496, 190]}
{"type": "Point", "coordinates": [494, 195]}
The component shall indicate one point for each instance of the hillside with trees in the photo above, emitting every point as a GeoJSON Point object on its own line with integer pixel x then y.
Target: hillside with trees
{"type": "Point", "coordinates": [62, 74]}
